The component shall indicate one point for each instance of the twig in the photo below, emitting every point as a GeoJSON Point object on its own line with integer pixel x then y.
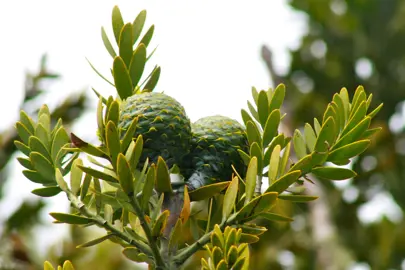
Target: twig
{"type": "Point", "coordinates": [160, 264]}
{"type": "Point", "coordinates": [76, 203]}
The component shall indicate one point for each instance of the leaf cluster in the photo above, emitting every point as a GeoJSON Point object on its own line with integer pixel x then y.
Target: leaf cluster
{"type": "Point", "coordinates": [110, 191]}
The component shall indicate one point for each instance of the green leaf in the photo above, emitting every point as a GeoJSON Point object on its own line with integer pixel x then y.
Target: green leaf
{"type": "Point", "coordinates": [354, 134]}
{"type": "Point", "coordinates": [259, 204]}
{"type": "Point", "coordinates": [113, 141]}
{"type": "Point", "coordinates": [125, 175]}
{"type": "Point", "coordinates": [317, 126]}
{"type": "Point", "coordinates": [348, 151]}
{"type": "Point", "coordinates": [299, 144]}
{"type": "Point", "coordinates": [70, 219]}
{"type": "Point", "coordinates": [137, 65]}
{"type": "Point", "coordinates": [96, 241]}
{"type": "Point", "coordinates": [175, 236]}
{"type": "Point", "coordinates": [43, 166]}
{"type": "Point", "coordinates": [375, 111]}
{"type": "Point", "coordinates": [135, 255]}
{"type": "Point", "coordinates": [136, 153]}
{"type": "Point", "coordinates": [27, 122]}
{"type": "Point", "coordinates": [108, 213]}
{"type": "Point", "coordinates": [248, 238]}
{"type": "Point", "coordinates": [346, 101]}
{"type": "Point", "coordinates": [117, 23]}
{"type": "Point", "coordinates": [275, 217]}
{"type": "Point", "coordinates": [245, 157]}
{"type": "Point", "coordinates": [60, 181]}
{"type": "Point", "coordinates": [76, 175]}
{"type": "Point", "coordinates": [160, 224]}
{"type": "Point", "coordinates": [356, 118]}
{"type": "Point", "coordinates": [107, 43]}
{"type": "Point", "coordinates": [23, 132]}
{"type": "Point", "coordinates": [125, 45]}
{"type": "Point", "coordinates": [284, 182]}
{"type": "Point", "coordinates": [256, 151]}
{"type": "Point", "coordinates": [137, 25]}
{"type": "Point", "coordinates": [251, 176]}
{"type": "Point", "coordinates": [284, 160]}
{"type": "Point", "coordinates": [297, 198]}
{"type": "Point", "coordinates": [246, 117]}
{"type": "Point", "coordinates": [278, 97]}
{"type": "Point", "coordinates": [229, 199]}
{"type": "Point", "coordinates": [99, 74]}
{"type": "Point", "coordinates": [333, 173]}
{"type": "Point", "coordinates": [162, 180]}
{"type": "Point", "coordinates": [99, 175]}
{"type": "Point", "coordinates": [113, 113]}
{"type": "Point", "coordinates": [122, 79]}
{"type": "Point", "coordinates": [86, 147]}
{"type": "Point", "coordinates": [208, 191]}
{"type": "Point", "coordinates": [263, 108]}
{"type": "Point", "coordinates": [67, 265]}
{"type": "Point", "coordinates": [368, 133]}
{"type": "Point", "coordinates": [304, 164]}
{"type": "Point", "coordinates": [255, 95]}
{"type": "Point", "coordinates": [85, 186]}
{"type": "Point", "coordinates": [254, 229]}
{"type": "Point", "coordinates": [148, 187]}
{"type": "Point", "coordinates": [274, 164]}
{"type": "Point", "coordinates": [44, 117]}
{"type": "Point", "coordinates": [358, 98]}
{"type": "Point", "coordinates": [36, 177]}
{"type": "Point", "coordinates": [278, 140]}
{"type": "Point", "coordinates": [148, 36]}
{"type": "Point", "coordinates": [60, 139]}
{"type": "Point", "coordinates": [47, 191]}
{"type": "Point", "coordinates": [253, 111]}
{"type": "Point", "coordinates": [48, 266]}
{"type": "Point", "coordinates": [253, 133]}
{"type": "Point", "coordinates": [340, 110]}
{"type": "Point", "coordinates": [153, 80]}
{"type": "Point", "coordinates": [37, 146]}
{"type": "Point", "coordinates": [310, 137]}
{"type": "Point", "coordinates": [325, 136]}
{"type": "Point", "coordinates": [22, 147]}
{"type": "Point", "coordinates": [26, 163]}
{"type": "Point", "coordinates": [271, 127]}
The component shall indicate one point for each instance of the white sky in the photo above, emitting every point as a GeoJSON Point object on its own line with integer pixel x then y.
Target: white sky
{"type": "Point", "coordinates": [209, 52]}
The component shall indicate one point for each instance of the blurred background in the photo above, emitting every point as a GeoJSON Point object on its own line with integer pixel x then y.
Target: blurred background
{"type": "Point", "coordinates": [211, 54]}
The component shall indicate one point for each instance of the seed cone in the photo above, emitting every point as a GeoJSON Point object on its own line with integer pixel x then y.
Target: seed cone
{"type": "Point", "coordinates": [163, 124]}
{"type": "Point", "coordinates": [214, 148]}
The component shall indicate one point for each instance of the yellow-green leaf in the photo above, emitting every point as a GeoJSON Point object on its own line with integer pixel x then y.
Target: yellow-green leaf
{"type": "Point", "coordinates": [229, 199]}
{"type": "Point", "coordinates": [125, 175]}
{"type": "Point", "coordinates": [208, 191]}
{"type": "Point", "coordinates": [271, 127]}
{"type": "Point", "coordinates": [348, 151]}
{"type": "Point", "coordinates": [125, 44]}
{"type": "Point", "coordinates": [122, 80]}
{"type": "Point", "coordinates": [333, 173]}
{"type": "Point", "coordinates": [284, 182]}
{"type": "Point", "coordinates": [162, 181]}
{"type": "Point", "coordinates": [251, 176]}
{"type": "Point", "coordinates": [137, 64]}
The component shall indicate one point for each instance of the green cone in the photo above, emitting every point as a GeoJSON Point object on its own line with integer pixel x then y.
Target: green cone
{"type": "Point", "coordinates": [163, 124]}
{"type": "Point", "coordinates": [214, 146]}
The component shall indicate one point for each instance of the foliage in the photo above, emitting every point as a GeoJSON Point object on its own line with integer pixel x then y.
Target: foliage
{"type": "Point", "coordinates": [130, 202]}
{"type": "Point", "coordinates": [349, 43]}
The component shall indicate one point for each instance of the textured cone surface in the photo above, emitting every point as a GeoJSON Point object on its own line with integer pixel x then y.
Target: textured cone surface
{"type": "Point", "coordinates": [214, 146]}
{"type": "Point", "coordinates": [163, 124]}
